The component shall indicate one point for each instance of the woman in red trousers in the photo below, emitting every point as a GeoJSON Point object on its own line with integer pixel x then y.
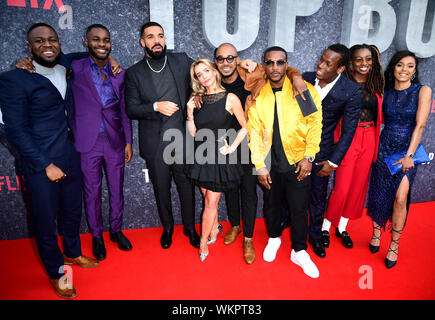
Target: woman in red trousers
{"type": "Point", "coordinates": [352, 176]}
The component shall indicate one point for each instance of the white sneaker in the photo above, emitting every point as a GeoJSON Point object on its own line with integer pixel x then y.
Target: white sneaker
{"type": "Point", "coordinates": [272, 247]}
{"type": "Point", "coordinates": [302, 259]}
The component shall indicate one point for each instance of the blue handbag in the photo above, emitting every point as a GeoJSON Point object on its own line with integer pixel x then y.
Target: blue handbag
{"type": "Point", "coordinates": [420, 156]}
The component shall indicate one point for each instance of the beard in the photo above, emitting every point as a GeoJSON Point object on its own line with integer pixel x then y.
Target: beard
{"type": "Point", "coordinates": [155, 55]}
{"type": "Point", "coordinates": [45, 63]}
{"type": "Point", "coordinates": [225, 76]}
{"type": "Point", "coordinates": [98, 56]}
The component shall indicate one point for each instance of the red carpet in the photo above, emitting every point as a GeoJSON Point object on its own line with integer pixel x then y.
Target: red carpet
{"type": "Point", "coordinates": [151, 273]}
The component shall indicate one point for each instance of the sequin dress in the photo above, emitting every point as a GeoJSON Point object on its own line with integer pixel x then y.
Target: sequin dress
{"type": "Point", "coordinates": [399, 109]}
{"type": "Point", "coordinates": [211, 169]}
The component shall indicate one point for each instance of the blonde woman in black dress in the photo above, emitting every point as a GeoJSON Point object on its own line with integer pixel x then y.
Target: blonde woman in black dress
{"type": "Point", "coordinates": [214, 170]}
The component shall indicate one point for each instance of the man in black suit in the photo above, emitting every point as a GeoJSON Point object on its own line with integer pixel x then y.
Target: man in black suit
{"type": "Point", "coordinates": [341, 99]}
{"type": "Point", "coordinates": [157, 89]}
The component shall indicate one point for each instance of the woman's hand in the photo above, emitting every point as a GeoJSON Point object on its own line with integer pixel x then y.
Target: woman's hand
{"type": "Point", "coordinates": [226, 149]}
{"type": "Point", "coordinates": [406, 162]}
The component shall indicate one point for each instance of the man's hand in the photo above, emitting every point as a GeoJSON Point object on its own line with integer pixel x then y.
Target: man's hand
{"type": "Point", "coordinates": [326, 169]}
{"type": "Point", "coordinates": [299, 86]}
{"type": "Point", "coordinates": [26, 64]}
{"type": "Point", "coordinates": [116, 68]}
{"type": "Point", "coordinates": [128, 153]}
{"type": "Point", "coordinates": [264, 178]}
{"type": "Point", "coordinates": [248, 64]}
{"type": "Point", "coordinates": [304, 169]}
{"type": "Point", "coordinates": [166, 108]}
{"type": "Point", "coordinates": [54, 173]}
{"type": "Point", "coordinates": [197, 99]}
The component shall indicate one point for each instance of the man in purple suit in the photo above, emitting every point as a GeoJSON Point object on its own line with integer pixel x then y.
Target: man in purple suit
{"type": "Point", "coordinates": [102, 134]}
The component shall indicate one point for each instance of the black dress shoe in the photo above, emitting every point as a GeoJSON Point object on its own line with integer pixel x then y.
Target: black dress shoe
{"type": "Point", "coordinates": [123, 243]}
{"type": "Point", "coordinates": [193, 237]}
{"type": "Point", "coordinates": [98, 248]}
{"type": "Point", "coordinates": [345, 238]}
{"type": "Point", "coordinates": [318, 247]}
{"type": "Point", "coordinates": [325, 239]}
{"type": "Point", "coordinates": [166, 239]}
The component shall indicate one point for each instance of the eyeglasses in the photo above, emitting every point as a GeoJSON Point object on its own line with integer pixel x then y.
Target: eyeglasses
{"type": "Point", "coordinates": [229, 59]}
{"type": "Point", "coordinates": [271, 63]}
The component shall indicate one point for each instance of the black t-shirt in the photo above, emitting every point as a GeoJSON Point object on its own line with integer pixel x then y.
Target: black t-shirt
{"type": "Point", "coordinates": [279, 159]}
{"type": "Point", "coordinates": [238, 88]}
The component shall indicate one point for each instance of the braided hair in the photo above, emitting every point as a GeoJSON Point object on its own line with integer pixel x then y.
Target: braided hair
{"type": "Point", "coordinates": [375, 82]}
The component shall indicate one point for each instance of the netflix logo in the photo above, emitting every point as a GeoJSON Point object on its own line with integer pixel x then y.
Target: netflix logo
{"type": "Point", "coordinates": [8, 183]}
{"type": "Point", "coordinates": [34, 4]}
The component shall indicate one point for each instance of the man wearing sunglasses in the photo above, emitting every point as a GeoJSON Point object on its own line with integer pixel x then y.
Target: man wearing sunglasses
{"type": "Point", "coordinates": [233, 80]}
{"type": "Point", "coordinates": [279, 131]}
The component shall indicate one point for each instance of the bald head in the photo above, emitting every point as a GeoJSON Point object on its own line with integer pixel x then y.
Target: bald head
{"type": "Point", "coordinates": [226, 59]}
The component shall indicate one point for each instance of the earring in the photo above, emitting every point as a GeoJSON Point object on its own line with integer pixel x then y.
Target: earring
{"type": "Point", "coordinates": [413, 76]}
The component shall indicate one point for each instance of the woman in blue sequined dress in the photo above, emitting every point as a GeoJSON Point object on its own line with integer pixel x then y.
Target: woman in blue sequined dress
{"type": "Point", "coordinates": [406, 107]}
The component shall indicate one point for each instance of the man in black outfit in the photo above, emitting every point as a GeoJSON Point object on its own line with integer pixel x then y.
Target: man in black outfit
{"type": "Point", "coordinates": [157, 90]}
{"type": "Point", "coordinates": [227, 60]}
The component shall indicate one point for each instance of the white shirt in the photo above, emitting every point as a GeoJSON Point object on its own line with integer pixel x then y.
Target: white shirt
{"type": "Point", "coordinates": [57, 76]}
{"type": "Point", "coordinates": [323, 92]}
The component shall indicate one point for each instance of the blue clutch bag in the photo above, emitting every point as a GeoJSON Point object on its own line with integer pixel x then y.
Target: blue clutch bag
{"type": "Point", "coordinates": [420, 156]}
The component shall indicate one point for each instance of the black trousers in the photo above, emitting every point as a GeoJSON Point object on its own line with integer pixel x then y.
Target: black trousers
{"type": "Point", "coordinates": [317, 204]}
{"type": "Point", "coordinates": [48, 199]}
{"type": "Point", "coordinates": [285, 186]}
{"type": "Point", "coordinates": [161, 175]}
{"type": "Point", "coordinates": [247, 192]}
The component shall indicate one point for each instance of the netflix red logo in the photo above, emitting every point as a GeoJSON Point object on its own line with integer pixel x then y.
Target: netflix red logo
{"type": "Point", "coordinates": [8, 183]}
{"type": "Point", "coordinates": [34, 4]}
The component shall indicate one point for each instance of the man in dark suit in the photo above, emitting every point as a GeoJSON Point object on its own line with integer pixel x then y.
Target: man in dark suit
{"type": "Point", "coordinates": [341, 99]}
{"type": "Point", "coordinates": [36, 108]}
{"type": "Point", "coordinates": [157, 89]}
{"type": "Point", "coordinates": [102, 134]}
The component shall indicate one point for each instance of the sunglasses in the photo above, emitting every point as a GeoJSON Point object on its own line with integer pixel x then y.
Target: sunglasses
{"type": "Point", "coordinates": [229, 59]}
{"type": "Point", "coordinates": [271, 63]}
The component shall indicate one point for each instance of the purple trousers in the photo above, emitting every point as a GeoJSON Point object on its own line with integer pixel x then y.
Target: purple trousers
{"type": "Point", "coordinates": [92, 163]}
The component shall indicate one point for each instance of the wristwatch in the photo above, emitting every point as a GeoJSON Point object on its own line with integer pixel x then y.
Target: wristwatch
{"type": "Point", "coordinates": [310, 159]}
{"type": "Point", "coordinates": [411, 155]}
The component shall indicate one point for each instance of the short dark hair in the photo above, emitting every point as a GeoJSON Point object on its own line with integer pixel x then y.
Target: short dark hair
{"type": "Point", "coordinates": [147, 25]}
{"type": "Point", "coordinates": [389, 72]}
{"type": "Point", "coordinates": [274, 48]}
{"type": "Point", "coordinates": [343, 51]}
{"type": "Point", "coordinates": [96, 25]}
{"type": "Point", "coordinates": [37, 25]}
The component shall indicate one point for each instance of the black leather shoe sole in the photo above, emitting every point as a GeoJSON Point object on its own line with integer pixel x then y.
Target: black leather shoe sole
{"type": "Point", "coordinates": [98, 249]}
{"type": "Point", "coordinates": [122, 241]}
{"type": "Point", "coordinates": [166, 239]}
{"type": "Point", "coordinates": [193, 238]}
{"type": "Point", "coordinates": [345, 239]}
{"type": "Point", "coordinates": [318, 248]}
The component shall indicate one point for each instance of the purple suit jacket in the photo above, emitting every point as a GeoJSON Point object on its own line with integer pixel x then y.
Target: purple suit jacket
{"type": "Point", "coordinates": [88, 110]}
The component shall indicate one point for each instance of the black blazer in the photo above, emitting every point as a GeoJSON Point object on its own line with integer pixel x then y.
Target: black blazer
{"type": "Point", "coordinates": [344, 100]}
{"type": "Point", "coordinates": [140, 94]}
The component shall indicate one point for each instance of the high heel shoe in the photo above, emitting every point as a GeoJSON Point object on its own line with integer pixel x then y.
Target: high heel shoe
{"type": "Point", "coordinates": [203, 256]}
{"type": "Point", "coordinates": [389, 263]}
{"type": "Point", "coordinates": [220, 230]}
{"type": "Point", "coordinates": [374, 249]}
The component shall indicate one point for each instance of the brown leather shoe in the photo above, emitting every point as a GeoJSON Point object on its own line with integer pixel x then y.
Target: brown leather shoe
{"type": "Point", "coordinates": [82, 261]}
{"type": "Point", "coordinates": [232, 235]}
{"type": "Point", "coordinates": [63, 289]}
{"type": "Point", "coordinates": [248, 251]}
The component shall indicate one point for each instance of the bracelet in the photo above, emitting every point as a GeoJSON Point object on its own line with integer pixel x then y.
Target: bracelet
{"type": "Point", "coordinates": [188, 120]}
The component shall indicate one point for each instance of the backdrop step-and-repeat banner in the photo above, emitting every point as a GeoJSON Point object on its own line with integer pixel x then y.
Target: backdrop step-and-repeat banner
{"type": "Point", "coordinates": [303, 28]}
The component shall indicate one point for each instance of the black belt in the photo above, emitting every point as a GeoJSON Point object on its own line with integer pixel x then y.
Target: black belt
{"type": "Point", "coordinates": [366, 126]}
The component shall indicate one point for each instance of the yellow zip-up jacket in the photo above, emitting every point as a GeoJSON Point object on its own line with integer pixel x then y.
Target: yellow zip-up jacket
{"type": "Point", "coordinates": [300, 135]}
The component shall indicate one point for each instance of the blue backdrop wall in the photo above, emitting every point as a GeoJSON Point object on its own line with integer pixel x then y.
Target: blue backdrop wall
{"type": "Point", "coordinates": [304, 28]}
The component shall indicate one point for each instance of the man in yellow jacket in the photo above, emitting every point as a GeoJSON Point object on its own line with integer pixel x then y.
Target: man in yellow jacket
{"type": "Point", "coordinates": [281, 136]}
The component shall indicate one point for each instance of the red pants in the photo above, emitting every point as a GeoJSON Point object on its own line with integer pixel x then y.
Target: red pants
{"type": "Point", "coordinates": [352, 177]}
